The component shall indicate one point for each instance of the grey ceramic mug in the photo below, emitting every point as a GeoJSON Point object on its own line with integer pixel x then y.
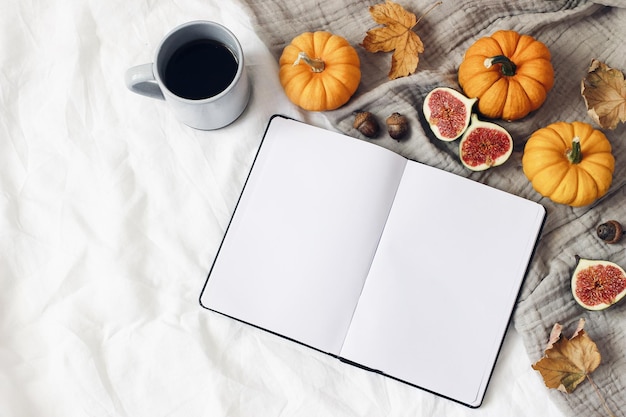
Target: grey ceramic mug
{"type": "Point", "coordinates": [207, 113]}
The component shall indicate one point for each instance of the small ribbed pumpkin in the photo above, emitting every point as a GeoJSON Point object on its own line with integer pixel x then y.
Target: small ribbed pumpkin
{"type": "Point", "coordinates": [570, 163]}
{"type": "Point", "coordinates": [319, 71]}
{"type": "Point", "coordinates": [509, 73]}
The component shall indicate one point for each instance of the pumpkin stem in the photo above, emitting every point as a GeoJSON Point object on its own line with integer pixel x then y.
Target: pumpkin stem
{"type": "Point", "coordinates": [508, 67]}
{"type": "Point", "coordinates": [317, 65]}
{"type": "Point", "coordinates": [574, 155]}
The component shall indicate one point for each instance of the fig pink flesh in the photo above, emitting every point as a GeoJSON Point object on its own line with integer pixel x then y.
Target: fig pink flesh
{"type": "Point", "coordinates": [599, 284]}
{"type": "Point", "coordinates": [448, 113]}
{"type": "Point", "coordinates": [484, 146]}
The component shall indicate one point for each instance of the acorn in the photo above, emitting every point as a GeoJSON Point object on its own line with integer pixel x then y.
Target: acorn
{"type": "Point", "coordinates": [365, 122]}
{"type": "Point", "coordinates": [397, 126]}
{"type": "Point", "coordinates": [610, 232]}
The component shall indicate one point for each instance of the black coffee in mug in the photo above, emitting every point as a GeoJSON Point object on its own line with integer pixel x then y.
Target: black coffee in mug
{"type": "Point", "coordinates": [200, 69]}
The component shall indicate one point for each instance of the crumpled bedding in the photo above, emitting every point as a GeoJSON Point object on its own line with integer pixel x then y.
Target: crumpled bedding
{"type": "Point", "coordinates": [112, 212]}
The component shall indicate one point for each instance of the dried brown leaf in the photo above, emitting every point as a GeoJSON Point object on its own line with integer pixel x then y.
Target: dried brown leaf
{"type": "Point", "coordinates": [568, 362]}
{"type": "Point", "coordinates": [395, 35]}
{"type": "Point", "coordinates": [604, 91]}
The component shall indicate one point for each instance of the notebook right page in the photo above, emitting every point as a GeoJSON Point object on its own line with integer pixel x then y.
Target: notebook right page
{"type": "Point", "coordinates": [441, 289]}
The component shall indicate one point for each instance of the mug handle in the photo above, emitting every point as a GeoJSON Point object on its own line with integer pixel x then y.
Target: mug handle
{"type": "Point", "coordinates": [140, 79]}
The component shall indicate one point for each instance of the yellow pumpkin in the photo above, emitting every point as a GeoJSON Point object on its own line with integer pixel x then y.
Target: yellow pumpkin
{"type": "Point", "coordinates": [570, 163]}
{"type": "Point", "coordinates": [319, 71]}
{"type": "Point", "coordinates": [509, 73]}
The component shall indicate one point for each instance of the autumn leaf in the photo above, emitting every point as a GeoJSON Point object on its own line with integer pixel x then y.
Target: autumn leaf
{"type": "Point", "coordinates": [604, 91]}
{"type": "Point", "coordinates": [395, 35]}
{"type": "Point", "coordinates": [568, 362]}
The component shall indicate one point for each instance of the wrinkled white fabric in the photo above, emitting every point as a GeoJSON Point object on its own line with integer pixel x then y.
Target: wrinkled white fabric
{"type": "Point", "coordinates": [111, 214]}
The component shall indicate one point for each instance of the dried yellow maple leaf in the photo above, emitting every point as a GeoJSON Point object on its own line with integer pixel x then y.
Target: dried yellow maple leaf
{"type": "Point", "coordinates": [568, 362]}
{"type": "Point", "coordinates": [395, 35]}
{"type": "Point", "coordinates": [604, 91]}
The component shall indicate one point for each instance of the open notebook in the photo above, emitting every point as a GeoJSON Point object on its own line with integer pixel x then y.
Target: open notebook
{"type": "Point", "coordinates": [383, 262]}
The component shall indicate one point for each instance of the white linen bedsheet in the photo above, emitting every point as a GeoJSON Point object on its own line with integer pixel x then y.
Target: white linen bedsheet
{"type": "Point", "coordinates": [112, 213]}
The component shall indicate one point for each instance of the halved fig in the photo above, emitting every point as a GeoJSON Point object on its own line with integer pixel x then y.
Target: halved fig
{"type": "Point", "coordinates": [484, 145]}
{"type": "Point", "coordinates": [447, 112]}
{"type": "Point", "coordinates": [597, 285]}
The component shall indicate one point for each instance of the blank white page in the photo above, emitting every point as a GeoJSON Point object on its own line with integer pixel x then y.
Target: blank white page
{"type": "Point", "coordinates": [437, 301]}
{"type": "Point", "coordinates": [297, 251]}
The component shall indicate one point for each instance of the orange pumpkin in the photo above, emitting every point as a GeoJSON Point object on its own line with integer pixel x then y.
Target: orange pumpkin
{"type": "Point", "coordinates": [319, 71]}
{"type": "Point", "coordinates": [570, 163]}
{"type": "Point", "coordinates": [509, 73]}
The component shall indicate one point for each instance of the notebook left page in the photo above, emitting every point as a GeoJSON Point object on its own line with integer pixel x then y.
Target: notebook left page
{"type": "Point", "coordinates": [302, 238]}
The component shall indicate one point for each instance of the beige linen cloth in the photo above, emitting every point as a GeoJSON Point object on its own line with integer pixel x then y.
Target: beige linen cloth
{"type": "Point", "coordinates": [575, 31]}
